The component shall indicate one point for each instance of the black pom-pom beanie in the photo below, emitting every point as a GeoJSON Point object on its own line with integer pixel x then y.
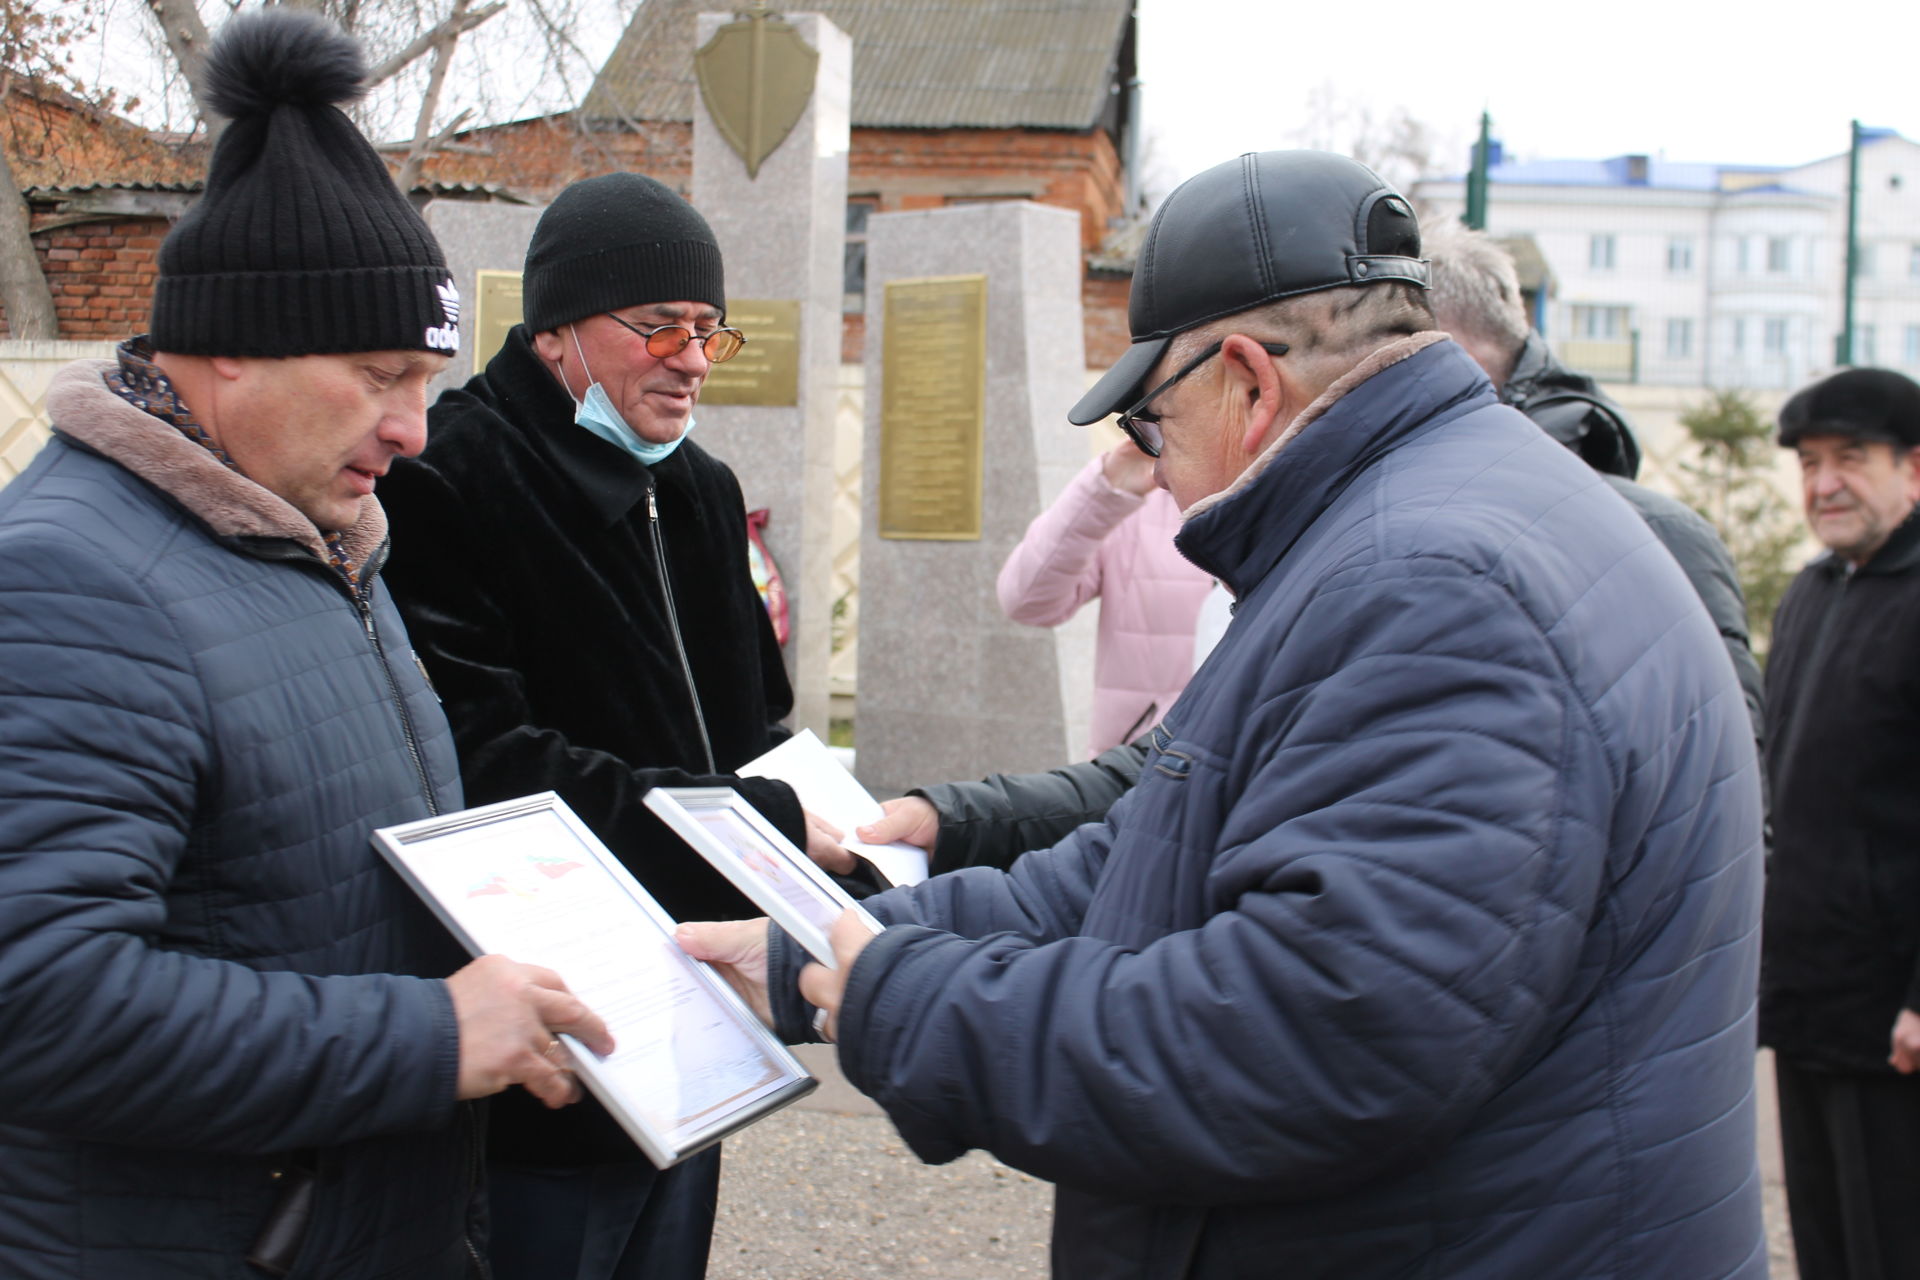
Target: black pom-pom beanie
{"type": "Point", "coordinates": [301, 244]}
{"type": "Point", "coordinates": [618, 240]}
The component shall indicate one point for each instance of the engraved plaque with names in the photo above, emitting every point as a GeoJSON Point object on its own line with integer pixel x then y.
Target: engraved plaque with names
{"type": "Point", "coordinates": [496, 310]}
{"type": "Point", "coordinates": [933, 408]}
{"type": "Point", "coordinates": [767, 370]}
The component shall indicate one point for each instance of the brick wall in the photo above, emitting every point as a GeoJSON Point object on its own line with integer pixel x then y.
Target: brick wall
{"type": "Point", "coordinates": [101, 275]}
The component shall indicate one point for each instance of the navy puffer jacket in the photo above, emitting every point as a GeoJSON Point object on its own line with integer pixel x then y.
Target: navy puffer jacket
{"type": "Point", "coordinates": [1425, 945]}
{"type": "Point", "coordinates": [206, 973]}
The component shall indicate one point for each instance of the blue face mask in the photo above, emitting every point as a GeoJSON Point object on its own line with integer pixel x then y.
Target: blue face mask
{"type": "Point", "coordinates": [596, 413]}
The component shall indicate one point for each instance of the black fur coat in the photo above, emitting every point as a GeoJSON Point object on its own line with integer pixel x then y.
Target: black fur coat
{"type": "Point", "coordinates": [524, 566]}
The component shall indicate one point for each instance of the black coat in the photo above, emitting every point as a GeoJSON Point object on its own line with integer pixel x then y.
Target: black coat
{"type": "Point", "coordinates": [1841, 953]}
{"type": "Point", "coordinates": [524, 564]}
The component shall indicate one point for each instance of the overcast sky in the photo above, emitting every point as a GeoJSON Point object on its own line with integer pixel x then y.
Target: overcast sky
{"type": "Point", "coordinates": [1753, 83]}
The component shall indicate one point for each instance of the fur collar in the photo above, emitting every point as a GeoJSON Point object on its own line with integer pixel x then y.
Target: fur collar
{"type": "Point", "coordinates": [83, 408]}
{"type": "Point", "coordinates": [1381, 359]}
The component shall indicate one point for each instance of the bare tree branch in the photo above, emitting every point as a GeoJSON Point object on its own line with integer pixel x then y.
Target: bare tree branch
{"type": "Point", "coordinates": [452, 27]}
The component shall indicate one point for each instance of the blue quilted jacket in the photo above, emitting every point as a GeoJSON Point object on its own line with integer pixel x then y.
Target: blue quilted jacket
{"type": "Point", "coordinates": [1425, 945]}
{"type": "Point", "coordinates": [199, 726]}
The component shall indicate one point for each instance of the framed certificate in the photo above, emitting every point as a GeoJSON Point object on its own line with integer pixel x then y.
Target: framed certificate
{"type": "Point", "coordinates": [526, 879]}
{"type": "Point", "coordinates": [763, 864]}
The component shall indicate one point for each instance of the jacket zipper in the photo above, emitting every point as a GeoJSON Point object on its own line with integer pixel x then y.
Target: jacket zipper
{"type": "Point", "coordinates": [364, 607]}
{"type": "Point", "coordinates": [673, 621]}
{"type": "Point", "coordinates": [399, 701]}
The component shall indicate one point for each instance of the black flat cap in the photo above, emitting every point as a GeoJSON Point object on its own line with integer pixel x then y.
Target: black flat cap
{"type": "Point", "coordinates": [1866, 404]}
{"type": "Point", "coordinates": [1266, 226]}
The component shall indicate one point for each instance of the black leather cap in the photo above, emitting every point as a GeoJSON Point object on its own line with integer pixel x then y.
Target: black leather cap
{"type": "Point", "coordinates": [1864, 404]}
{"type": "Point", "coordinates": [1266, 226]}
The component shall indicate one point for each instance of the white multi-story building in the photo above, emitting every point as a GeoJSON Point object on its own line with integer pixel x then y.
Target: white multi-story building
{"type": "Point", "coordinates": [1721, 276]}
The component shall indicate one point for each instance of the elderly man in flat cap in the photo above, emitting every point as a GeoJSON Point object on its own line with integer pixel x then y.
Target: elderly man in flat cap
{"type": "Point", "coordinates": [1840, 972]}
{"type": "Point", "coordinates": [1425, 944]}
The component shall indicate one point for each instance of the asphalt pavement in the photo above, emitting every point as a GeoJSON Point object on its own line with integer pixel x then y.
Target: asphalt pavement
{"type": "Point", "coordinates": [826, 1190]}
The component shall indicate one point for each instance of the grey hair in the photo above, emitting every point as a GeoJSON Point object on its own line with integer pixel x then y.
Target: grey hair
{"type": "Point", "coordinates": [1476, 291]}
{"type": "Point", "coordinates": [1329, 330]}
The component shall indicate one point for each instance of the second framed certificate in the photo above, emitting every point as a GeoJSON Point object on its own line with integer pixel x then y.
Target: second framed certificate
{"type": "Point", "coordinates": [763, 864]}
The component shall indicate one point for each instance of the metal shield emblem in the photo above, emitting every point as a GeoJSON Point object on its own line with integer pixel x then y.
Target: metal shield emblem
{"type": "Point", "coordinates": [756, 76]}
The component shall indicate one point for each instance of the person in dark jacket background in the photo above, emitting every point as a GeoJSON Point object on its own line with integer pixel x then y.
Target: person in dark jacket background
{"type": "Point", "coordinates": [226, 1044]}
{"type": "Point", "coordinates": [1476, 298]}
{"type": "Point", "coordinates": [574, 571]}
{"type": "Point", "coordinates": [1840, 972]}
{"type": "Point", "coordinates": [1426, 943]}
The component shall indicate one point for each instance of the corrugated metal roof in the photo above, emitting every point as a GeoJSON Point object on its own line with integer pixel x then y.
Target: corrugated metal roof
{"type": "Point", "coordinates": [925, 64]}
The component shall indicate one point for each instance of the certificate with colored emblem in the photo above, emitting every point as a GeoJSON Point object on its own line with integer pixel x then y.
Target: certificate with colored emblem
{"type": "Point", "coordinates": [526, 879]}
{"type": "Point", "coordinates": [763, 864]}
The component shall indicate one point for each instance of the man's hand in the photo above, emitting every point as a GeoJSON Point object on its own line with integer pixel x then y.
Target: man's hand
{"type": "Point", "coordinates": [1906, 1043]}
{"type": "Point", "coordinates": [909, 820]}
{"type": "Point", "coordinates": [822, 986]}
{"type": "Point", "coordinates": [1127, 469]}
{"type": "Point", "coordinates": [738, 949]}
{"type": "Point", "coordinates": [508, 1015]}
{"type": "Point", "coordinates": [823, 846]}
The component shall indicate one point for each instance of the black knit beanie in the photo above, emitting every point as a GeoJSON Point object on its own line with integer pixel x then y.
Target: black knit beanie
{"type": "Point", "coordinates": [618, 240]}
{"type": "Point", "coordinates": [301, 244]}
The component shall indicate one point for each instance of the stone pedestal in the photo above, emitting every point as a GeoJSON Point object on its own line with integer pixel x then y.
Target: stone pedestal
{"type": "Point", "coordinates": [782, 233]}
{"type": "Point", "coordinates": [948, 687]}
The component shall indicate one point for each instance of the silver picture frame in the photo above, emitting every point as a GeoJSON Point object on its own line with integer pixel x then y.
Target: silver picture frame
{"type": "Point", "coordinates": [527, 879]}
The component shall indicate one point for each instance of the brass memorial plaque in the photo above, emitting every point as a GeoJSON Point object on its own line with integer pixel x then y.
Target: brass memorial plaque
{"type": "Point", "coordinates": [495, 311]}
{"type": "Point", "coordinates": [767, 370]}
{"type": "Point", "coordinates": [933, 408]}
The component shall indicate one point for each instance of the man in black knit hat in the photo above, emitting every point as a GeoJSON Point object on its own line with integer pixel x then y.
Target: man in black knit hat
{"type": "Point", "coordinates": [574, 572]}
{"type": "Point", "coordinates": [226, 1029]}
{"type": "Point", "coordinates": [1840, 960]}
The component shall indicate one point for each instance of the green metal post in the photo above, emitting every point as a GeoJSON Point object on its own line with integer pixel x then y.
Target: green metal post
{"type": "Point", "coordinates": [1476, 213]}
{"type": "Point", "coordinates": [1844, 356]}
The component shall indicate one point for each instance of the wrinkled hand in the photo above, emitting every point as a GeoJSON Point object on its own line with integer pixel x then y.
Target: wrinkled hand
{"type": "Point", "coordinates": [909, 820]}
{"type": "Point", "coordinates": [1906, 1043]}
{"type": "Point", "coordinates": [823, 846]}
{"type": "Point", "coordinates": [1127, 469]}
{"type": "Point", "coordinates": [508, 1015]}
{"type": "Point", "coordinates": [822, 986]}
{"type": "Point", "coordinates": [738, 949]}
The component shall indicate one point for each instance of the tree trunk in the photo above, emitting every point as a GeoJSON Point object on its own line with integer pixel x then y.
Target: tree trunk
{"type": "Point", "coordinates": [187, 40]}
{"type": "Point", "coordinates": [23, 286]}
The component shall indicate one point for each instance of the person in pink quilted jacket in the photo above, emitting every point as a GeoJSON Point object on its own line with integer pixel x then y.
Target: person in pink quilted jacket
{"type": "Point", "coordinates": [1110, 535]}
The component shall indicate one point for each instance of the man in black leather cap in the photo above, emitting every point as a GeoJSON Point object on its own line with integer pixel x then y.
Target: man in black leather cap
{"type": "Point", "coordinates": [1424, 944]}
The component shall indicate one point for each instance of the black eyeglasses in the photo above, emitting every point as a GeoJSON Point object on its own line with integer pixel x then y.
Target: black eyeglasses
{"type": "Point", "coordinates": [1143, 428]}
{"type": "Point", "coordinates": [670, 340]}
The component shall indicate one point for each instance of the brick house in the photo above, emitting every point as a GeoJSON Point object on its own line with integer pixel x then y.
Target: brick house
{"type": "Point", "coordinates": [992, 100]}
{"type": "Point", "coordinates": [101, 193]}
{"type": "Point", "coordinates": [952, 104]}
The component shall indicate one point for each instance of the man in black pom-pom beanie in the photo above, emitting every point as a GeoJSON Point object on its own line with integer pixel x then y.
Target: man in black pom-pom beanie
{"type": "Point", "coordinates": [574, 571]}
{"type": "Point", "coordinates": [230, 1040]}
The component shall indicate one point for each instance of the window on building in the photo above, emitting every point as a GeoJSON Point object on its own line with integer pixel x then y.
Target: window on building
{"type": "Point", "coordinates": [1913, 261]}
{"type": "Point", "coordinates": [1737, 335]}
{"type": "Point", "coordinates": [1774, 336]}
{"type": "Point", "coordinates": [1599, 324]}
{"type": "Point", "coordinates": [1741, 261]}
{"type": "Point", "coordinates": [1600, 251]}
{"type": "Point", "coordinates": [1779, 255]}
{"type": "Point", "coordinates": [1913, 344]}
{"type": "Point", "coordinates": [1680, 255]}
{"type": "Point", "coordinates": [854, 262]}
{"type": "Point", "coordinates": [1866, 345]}
{"type": "Point", "coordinates": [1679, 338]}
{"type": "Point", "coordinates": [1862, 261]}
